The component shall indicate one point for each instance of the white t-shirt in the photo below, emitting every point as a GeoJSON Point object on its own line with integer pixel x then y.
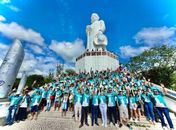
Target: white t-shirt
{"type": "Point", "coordinates": [24, 104]}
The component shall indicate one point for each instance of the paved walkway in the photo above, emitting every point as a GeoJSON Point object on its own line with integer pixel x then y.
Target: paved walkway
{"type": "Point", "coordinates": [53, 121]}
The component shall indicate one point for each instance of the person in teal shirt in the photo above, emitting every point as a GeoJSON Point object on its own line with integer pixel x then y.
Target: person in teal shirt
{"type": "Point", "coordinates": [148, 105]}
{"type": "Point", "coordinates": [112, 110]}
{"type": "Point", "coordinates": [50, 98]}
{"type": "Point", "coordinates": [78, 97]}
{"type": "Point", "coordinates": [35, 101]}
{"type": "Point", "coordinates": [161, 107]}
{"type": "Point", "coordinates": [14, 102]}
{"type": "Point", "coordinates": [103, 107]}
{"type": "Point", "coordinates": [58, 97]}
{"type": "Point", "coordinates": [122, 101]}
{"type": "Point", "coordinates": [133, 106]}
{"type": "Point", "coordinates": [85, 107]}
{"type": "Point", "coordinates": [94, 109]}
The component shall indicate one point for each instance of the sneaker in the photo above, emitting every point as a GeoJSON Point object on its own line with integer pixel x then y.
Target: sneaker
{"type": "Point", "coordinates": [111, 124]}
{"type": "Point", "coordinates": [81, 126]}
{"type": "Point", "coordinates": [105, 125]}
{"type": "Point", "coordinates": [135, 120]}
{"type": "Point", "coordinates": [96, 123]}
{"type": "Point", "coordinates": [116, 125]}
{"type": "Point", "coordinates": [131, 119]}
{"type": "Point", "coordinates": [87, 124]}
{"type": "Point", "coordinates": [120, 125]}
{"type": "Point", "coordinates": [102, 125]}
{"type": "Point", "coordinates": [164, 128]}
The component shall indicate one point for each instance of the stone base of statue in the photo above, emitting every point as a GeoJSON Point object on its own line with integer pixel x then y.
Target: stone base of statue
{"type": "Point", "coordinates": [96, 60]}
{"type": "Point", "coordinates": [4, 105]}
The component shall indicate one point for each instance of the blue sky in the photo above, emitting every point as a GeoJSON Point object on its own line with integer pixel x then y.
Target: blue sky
{"type": "Point", "coordinates": [54, 30]}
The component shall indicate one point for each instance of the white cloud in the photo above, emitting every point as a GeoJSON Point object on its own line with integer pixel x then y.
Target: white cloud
{"type": "Point", "coordinates": [14, 8]}
{"type": "Point", "coordinates": [68, 50]}
{"type": "Point", "coordinates": [37, 65]}
{"type": "Point", "coordinates": [129, 51]}
{"type": "Point", "coordinates": [13, 30]}
{"type": "Point", "coordinates": [37, 49]}
{"type": "Point", "coordinates": [2, 18]}
{"type": "Point", "coordinates": [5, 1]}
{"type": "Point", "coordinates": [156, 36]}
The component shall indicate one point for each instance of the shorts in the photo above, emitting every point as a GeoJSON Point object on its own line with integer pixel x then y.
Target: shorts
{"type": "Point", "coordinates": [133, 106]}
{"type": "Point", "coordinates": [123, 112]}
{"type": "Point", "coordinates": [139, 105]}
{"type": "Point", "coordinates": [34, 108]}
{"type": "Point", "coordinates": [64, 106]}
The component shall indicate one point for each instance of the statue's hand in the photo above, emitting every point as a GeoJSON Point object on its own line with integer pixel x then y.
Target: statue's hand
{"type": "Point", "coordinates": [88, 28]}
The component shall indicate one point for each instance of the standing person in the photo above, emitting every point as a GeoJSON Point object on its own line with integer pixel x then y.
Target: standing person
{"type": "Point", "coordinates": [103, 107]}
{"type": "Point", "coordinates": [78, 97]}
{"type": "Point", "coordinates": [50, 97]}
{"type": "Point", "coordinates": [22, 112]}
{"type": "Point", "coordinates": [133, 107]}
{"type": "Point", "coordinates": [64, 104]}
{"type": "Point", "coordinates": [85, 108]}
{"type": "Point", "coordinates": [35, 101]}
{"type": "Point", "coordinates": [71, 103]}
{"type": "Point", "coordinates": [112, 111]}
{"type": "Point", "coordinates": [95, 108]}
{"type": "Point", "coordinates": [161, 107]}
{"type": "Point", "coordinates": [14, 102]}
{"type": "Point", "coordinates": [58, 97]}
{"type": "Point", "coordinates": [43, 101]}
{"type": "Point", "coordinates": [148, 105]}
{"type": "Point", "coordinates": [122, 101]}
{"type": "Point", "coordinates": [138, 102]}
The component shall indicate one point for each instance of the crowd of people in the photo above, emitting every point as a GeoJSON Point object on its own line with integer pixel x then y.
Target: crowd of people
{"type": "Point", "coordinates": [114, 96]}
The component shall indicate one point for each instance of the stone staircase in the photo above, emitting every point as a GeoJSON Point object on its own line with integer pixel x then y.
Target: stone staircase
{"type": "Point", "coordinates": [53, 120]}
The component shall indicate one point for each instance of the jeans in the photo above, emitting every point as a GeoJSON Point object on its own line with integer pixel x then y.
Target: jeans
{"type": "Point", "coordinates": [11, 114]}
{"type": "Point", "coordinates": [84, 114]}
{"type": "Point", "coordinates": [112, 111]}
{"type": "Point", "coordinates": [103, 109]}
{"type": "Point", "coordinates": [94, 114]}
{"type": "Point", "coordinates": [77, 110]}
{"type": "Point", "coordinates": [149, 110]}
{"type": "Point", "coordinates": [48, 105]}
{"type": "Point", "coordinates": [164, 111]}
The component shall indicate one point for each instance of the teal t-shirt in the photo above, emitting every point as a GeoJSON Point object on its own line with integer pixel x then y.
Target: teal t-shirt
{"type": "Point", "coordinates": [132, 100]}
{"type": "Point", "coordinates": [122, 100]}
{"type": "Point", "coordinates": [86, 99]}
{"type": "Point", "coordinates": [78, 98]}
{"type": "Point", "coordinates": [111, 99]}
{"type": "Point", "coordinates": [95, 100]}
{"type": "Point", "coordinates": [15, 100]}
{"type": "Point", "coordinates": [58, 95]}
{"type": "Point", "coordinates": [159, 100]}
{"type": "Point", "coordinates": [36, 100]}
{"type": "Point", "coordinates": [102, 99]}
{"type": "Point", "coordinates": [146, 97]}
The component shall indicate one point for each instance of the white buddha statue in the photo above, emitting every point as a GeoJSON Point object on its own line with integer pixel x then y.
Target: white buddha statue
{"type": "Point", "coordinates": [95, 37]}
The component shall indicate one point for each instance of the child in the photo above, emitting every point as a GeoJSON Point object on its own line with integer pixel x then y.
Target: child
{"type": "Point", "coordinates": [64, 104]}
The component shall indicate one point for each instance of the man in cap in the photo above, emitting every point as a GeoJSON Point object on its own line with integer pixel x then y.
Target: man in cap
{"type": "Point", "coordinates": [161, 107]}
{"type": "Point", "coordinates": [14, 102]}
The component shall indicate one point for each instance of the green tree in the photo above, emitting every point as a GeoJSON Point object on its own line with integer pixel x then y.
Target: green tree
{"type": "Point", "coordinates": [70, 71]}
{"type": "Point", "coordinates": [157, 64]}
{"type": "Point", "coordinates": [39, 80]}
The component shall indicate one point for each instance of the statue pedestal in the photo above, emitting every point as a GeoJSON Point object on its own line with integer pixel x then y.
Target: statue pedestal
{"type": "Point", "coordinates": [96, 60]}
{"type": "Point", "coordinates": [4, 105]}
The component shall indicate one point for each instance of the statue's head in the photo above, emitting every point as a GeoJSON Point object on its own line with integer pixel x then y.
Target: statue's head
{"type": "Point", "coordinates": [94, 17]}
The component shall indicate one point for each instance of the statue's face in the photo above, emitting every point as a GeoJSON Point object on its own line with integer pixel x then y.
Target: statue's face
{"type": "Point", "coordinates": [94, 17]}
